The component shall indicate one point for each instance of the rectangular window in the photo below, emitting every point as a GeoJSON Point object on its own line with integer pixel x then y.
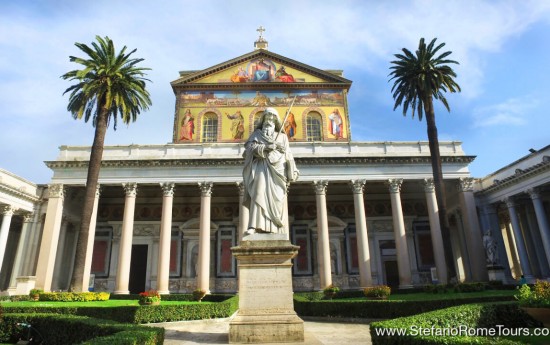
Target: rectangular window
{"type": "Point", "coordinates": [313, 127]}
{"type": "Point", "coordinates": [101, 255]}
{"type": "Point", "coordinates": [210, 128]}
{"type": "Point", "coordinates": [302, 264]}
{"type": "Point", "coordinates": [175, 253]}
{"type": "Point", "coordinates": [352, 258]}
{"type": "Point", "coordinates": [225, 260]}
{"type": "Point", "coordinates": [423, 246]}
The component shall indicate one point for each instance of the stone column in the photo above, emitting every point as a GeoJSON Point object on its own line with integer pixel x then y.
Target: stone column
{"type": "Point", "coordinates": [323, 245]}
{"type": "Point", "coordinates": [7, 213]}
{"type": "Point", "coordinates": [125, 249]}
{"type": "Point", "coordinates": [520, 243]}
{"type": "Point", "coordinates": [34, 244]}
{"type": "Point", "coordinates": [435, 231]}
{"type": "Point", "coordinates": [473, 233]}
{"type": "Point", "coordinates": [243, 212]}
{"type": "Point", "coordinates": [542, 220]}
{"type": "Point", "coordinates": [163, 276]}
{"type": "Point", "coordinates": [91, 240]}
{"type": "Point", "coordinates": [50, 238]}
{"type": "Point", "coordinates": [403, 263]}
{"type": "Point", "coordinates": [365, 274]}
{"type": "Point", "coordinates": [22, 248]}
{"type": "Point", "coordinates": [203, 272]}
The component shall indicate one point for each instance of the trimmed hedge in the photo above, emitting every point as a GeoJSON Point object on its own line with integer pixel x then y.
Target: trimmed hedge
{"type": "Point", "coordinates": [308, 304]}
{"type": "Point", "coordinates": [469, 316]}
{"type": "Point", "coordinates": [141, 314]}
{"type": "Point", "coordinates": [71, 329]}
{"type": "Point", "coordinates": [177, 297]}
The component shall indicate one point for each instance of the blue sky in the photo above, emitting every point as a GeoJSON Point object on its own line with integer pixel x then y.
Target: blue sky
{"type": "Point", "coordinates": [503, 48]}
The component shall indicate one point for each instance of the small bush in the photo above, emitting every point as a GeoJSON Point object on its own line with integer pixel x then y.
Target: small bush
{"type": "Point", "coordinates": [538, 297]}
{"type": "Point", "coordinates": [331, 291]}
{"type": "Point", "coordinates": [74, 296]}
{"type": "Point", "coordinates": [378, 291]}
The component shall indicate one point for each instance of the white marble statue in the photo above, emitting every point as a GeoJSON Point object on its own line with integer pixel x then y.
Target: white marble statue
{"type": "Point", "coordinates": [268, 168]}
{"type": "Point", "coordinates": [490, 248]}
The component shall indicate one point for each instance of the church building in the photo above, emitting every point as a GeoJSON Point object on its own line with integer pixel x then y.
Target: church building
{"type": "Point", "coordinates": [167, 215]}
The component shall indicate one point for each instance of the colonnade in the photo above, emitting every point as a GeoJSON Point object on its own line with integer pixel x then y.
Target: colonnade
{"type": "Point", "coordinates": [525, 248]}
{"type": "Point", "coordinates": [55, 210]}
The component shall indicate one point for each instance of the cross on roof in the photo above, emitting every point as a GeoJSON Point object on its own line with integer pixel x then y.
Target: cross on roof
{"type": "Point", "coordinates": [260, 30]}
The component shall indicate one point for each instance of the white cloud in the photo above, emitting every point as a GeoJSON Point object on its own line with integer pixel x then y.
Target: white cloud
{"type": "Point", "coordinates": [513, 111]}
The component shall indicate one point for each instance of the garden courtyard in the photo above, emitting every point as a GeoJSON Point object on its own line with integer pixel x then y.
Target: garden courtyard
{"type": "Point", "coordinates": [472, 313]}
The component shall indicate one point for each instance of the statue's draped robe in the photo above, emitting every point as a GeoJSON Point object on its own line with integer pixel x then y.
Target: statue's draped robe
{"type": "Point", "coordinates": [265, 176]}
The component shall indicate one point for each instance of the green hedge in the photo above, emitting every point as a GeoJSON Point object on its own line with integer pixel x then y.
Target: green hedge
{"type": "Point", "coordinates": [71, 329]}
{"type": "Point", "coordinates": [140, 314]}
{"type": "Point", "coordinates": [469, 316]}
{"type": "Point", "coordinates": [308, 304]}
{"type": "Point", "coordinates": [177, 297]}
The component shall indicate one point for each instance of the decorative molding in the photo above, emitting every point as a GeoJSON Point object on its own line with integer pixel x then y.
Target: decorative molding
{"type": "Point", "coordinates": [98, 191]}
{"type": "Point", "coordinates": [56, 190]}
{"type": "Point", "coordinates": [240, 186]}
{"type": "Point", "coordinates": [320, 187]}
{"type": "Point", "coordinates": [130, 188]}
{"type": "Point", "coordinates": [534, 193]}
{"type": "Point", "coordinates": [206, 188]}
{"type": "Point", "coordinates": [394, 185]}
{"type": "Point", "coordinates": [28, 217]}
{"type": "Point", "coordinates": [466, 184]}
{"type": "Point", "coordinates": [167, 188]}
{"type": "Point", "coordinates": [358, 186]}
{"type": "Point", "coordinates": [8, 210]}
{"type": "Point", "coordinates": [429, 185]}
{"type": "Point", "coordinates": [509, 201]}
{"type": "Point", "coordinates": [237, 161]}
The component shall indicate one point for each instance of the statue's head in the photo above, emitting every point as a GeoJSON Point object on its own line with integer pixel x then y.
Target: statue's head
{"type": "Point", "coordinates": [270, 115]}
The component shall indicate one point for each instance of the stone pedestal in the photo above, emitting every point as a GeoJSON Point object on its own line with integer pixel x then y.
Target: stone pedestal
{"type": "Point", "coordinates": [496, 273]}
{"type": "Point", "coordinates": [266, 309]}
{"type": "Point", "coordinates": [24, 284]}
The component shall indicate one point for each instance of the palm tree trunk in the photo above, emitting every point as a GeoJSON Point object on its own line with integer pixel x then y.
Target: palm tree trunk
{"type": "Point", "coordinates": [439, 187]}
{"type": "Point", "coordinates": [94, 166]}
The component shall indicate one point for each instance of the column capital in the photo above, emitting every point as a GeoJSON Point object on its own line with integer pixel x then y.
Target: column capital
{"type": "Point", "coordinates": [130, 188]}
{"type": "Point", "coordinates": [240, 186]}
{"type": "Point", "coordinates": [56, 190]}
{"type": "Point", "coordinates": [357, 186]}
{"type": "Point", "coordinates": [206, 188]}
{"type": "Point", "coordinates": [8, 210]}
{"type": "Point", "coordinates": [167, 188]}
{"type": "Point", "coordinates": [509, 201]}
{"type": "Point", "coordinates": [429, 185]}
{"type": "Point", "coordinates": [320, 187]}
{"type": "Point", "coordinates": [394, 184]}
{"type": "Point", "coordinates": [534, 193]}
{"type": "Point", "coordinates": [466, 184]}
{"type": "Point", "coordinates": [28, 217]}
{"type": "Point", "coordinates": [98, 191]}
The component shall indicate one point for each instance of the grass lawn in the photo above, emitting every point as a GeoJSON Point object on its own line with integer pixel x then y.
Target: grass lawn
{"type": "Point", "coordinates": [109, 303]}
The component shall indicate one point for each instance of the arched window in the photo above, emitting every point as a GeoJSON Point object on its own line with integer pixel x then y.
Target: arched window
{"type": "Point", "coordinates": [314, 127]}
{"type": "Point", "coordinates": [209, 128]}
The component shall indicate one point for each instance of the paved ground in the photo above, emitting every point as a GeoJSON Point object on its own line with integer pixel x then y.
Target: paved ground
{"type": "Point", "coordinates": [317, 331]}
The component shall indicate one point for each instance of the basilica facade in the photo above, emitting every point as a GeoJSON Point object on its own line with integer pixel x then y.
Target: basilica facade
{"type": "Point", "coordinates": [166, 216]}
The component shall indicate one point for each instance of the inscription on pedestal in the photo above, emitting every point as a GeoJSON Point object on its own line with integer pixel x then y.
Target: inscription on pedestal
{"type": "Point", "coordinates": [266, 311]}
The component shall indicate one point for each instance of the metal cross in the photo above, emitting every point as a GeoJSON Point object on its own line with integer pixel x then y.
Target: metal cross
{"type": "Point", "coordinates": [260, 30]}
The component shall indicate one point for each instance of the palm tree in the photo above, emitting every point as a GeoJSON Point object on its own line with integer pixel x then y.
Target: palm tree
{"type": "Point", "coordinates": [109, 84]}
{"type": "Point", "coordinates": [418, 79]}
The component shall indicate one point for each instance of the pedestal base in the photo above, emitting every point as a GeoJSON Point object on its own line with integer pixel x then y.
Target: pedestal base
{"type": "Point", "coordinates": [266, 308]}
{"type": "Point", "coordinates": [496, 273]}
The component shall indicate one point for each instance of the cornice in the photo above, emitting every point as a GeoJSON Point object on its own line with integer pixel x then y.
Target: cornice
{"type": "Point", "coordinates": [18, 193]}
{"type": "Point", "coordinates": [239, 161]}
{"type": "Point", "coordinates": [519, 176]}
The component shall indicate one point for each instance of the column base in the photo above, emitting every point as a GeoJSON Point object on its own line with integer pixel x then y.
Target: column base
{"type": "Point", "coordinates": [121, 292]}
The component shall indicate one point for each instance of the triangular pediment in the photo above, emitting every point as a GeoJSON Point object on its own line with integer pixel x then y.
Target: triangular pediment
{"type": "Point", "coordinates": [261, 67]}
